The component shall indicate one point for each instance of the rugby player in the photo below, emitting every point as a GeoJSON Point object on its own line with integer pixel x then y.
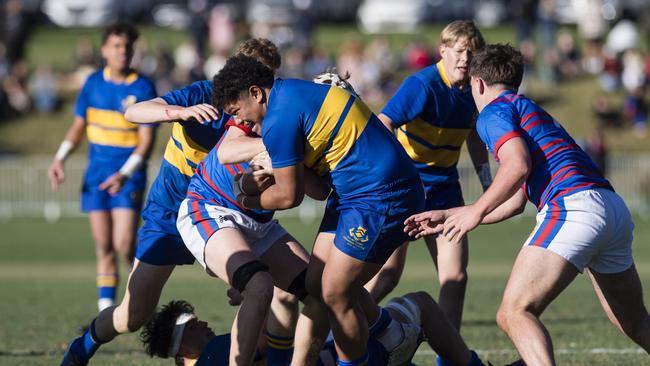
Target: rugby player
{"type": "Point", "coordinates": [581, 222]}
{"type": "Point", "coordinates": [115, 178]}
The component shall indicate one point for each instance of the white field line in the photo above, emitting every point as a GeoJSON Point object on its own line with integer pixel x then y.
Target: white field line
{"type": "Point", "coordinates": [562, 351]}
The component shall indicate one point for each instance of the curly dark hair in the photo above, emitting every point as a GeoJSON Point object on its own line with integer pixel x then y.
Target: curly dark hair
{"type": "Point", "coordinates": [498, 64]}
{"type": "Point", "coordinates": [156, 335]}
{"type": "Point", "coordinates": [121, 28]}
{"type": "Point", "coordinates": [240, 73]}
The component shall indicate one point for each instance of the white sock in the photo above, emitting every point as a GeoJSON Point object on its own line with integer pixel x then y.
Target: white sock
{"type": "Point", "coordinates": [104, 303]}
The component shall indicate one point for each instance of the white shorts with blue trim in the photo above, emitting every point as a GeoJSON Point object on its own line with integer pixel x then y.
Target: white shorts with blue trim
{"type": "Point", "coordinates": [198, 221]}
{"type": "Point", "coordinates": [590, 229]}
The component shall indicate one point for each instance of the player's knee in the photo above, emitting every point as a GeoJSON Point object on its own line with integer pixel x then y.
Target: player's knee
{"type": "Point", "coordinates": [502, 318]}
{"type": "Point", "coordinates": [253, 280]}
{"type": "Point", "coordinates": [298, 287]}
{"type": "Point", "coordinates": [284, 297]}
{"type": "Point", "coordinates": [335, 297]}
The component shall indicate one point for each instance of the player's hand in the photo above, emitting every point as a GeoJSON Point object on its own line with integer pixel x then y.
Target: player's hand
{"type": "Point", "coordinates": [114, 183]}
{"type": "Point", "coordinates": [425, 223]}
{"type": "Point", "coordinates": [263, 161]}
{"type": "Point", "coordinates": [460, 221]}
{"type": "Point", "coordinates": [254, 183]}
{"type": "Point", "coordinates": [202, 113]}
{"type": "Point", "coordinates": [56, 174]}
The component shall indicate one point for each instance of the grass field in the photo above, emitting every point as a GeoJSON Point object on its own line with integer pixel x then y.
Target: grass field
{"type": "Point", "coordinates": [47, 287]}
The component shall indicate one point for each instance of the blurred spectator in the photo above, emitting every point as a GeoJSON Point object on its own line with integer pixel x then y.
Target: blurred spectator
{"type": "Point", "coordinates": [609, 78]}
{"type": "Point", "coordinates": [222, 30]}
{"type": "Point", "coordinates": [605, 113]}
{"type": "Point", "coordinates": [524, 13]}
{"type": "Point", "coordinates": [186, 57]}
{"type": "Point", "coordinates": [316, 61]}
{"type": "Point", "coordinates": [350, 60]}
{"type": "Point", "coordinates": [198, 25]}
{"type": "Point", "coordinates": [596, 148]}
{"type": "Point", "coordinates": [591, 23]}
{"type": "Point", "coordinates": [633, 79]}
{"type": "Point", "coordinates": [16, 30]}
{"type": "Point", "coordinates": [568, 56]}
{"type": "Point", "coordinates": [43, 89]}
{"type": "Point", "coordinates": [548, 33]}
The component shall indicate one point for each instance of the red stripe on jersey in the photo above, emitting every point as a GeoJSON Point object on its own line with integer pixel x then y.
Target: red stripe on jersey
{"type": "Point", "coordinates": [230, 169]}
{"type": "Point", "coordinates": [196, 212]}
{"type": "Point", "coordinates": [503, 139]}
{"type": "Point", "coordinates": [216, 189]}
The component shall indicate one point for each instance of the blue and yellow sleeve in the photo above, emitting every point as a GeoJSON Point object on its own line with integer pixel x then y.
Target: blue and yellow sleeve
{"type": "Point", "coordinates": [284, 140]}
{"type": "Point", "coordinates": [82, 100]}
{"type": "Point", "coordinates": [409, 102]}
{"type": "Point", "coordinates": [193, 94]}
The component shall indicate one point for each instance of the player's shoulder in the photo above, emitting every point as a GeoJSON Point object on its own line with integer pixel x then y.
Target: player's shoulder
{"type": "Point", "coordinates": [95, 77]}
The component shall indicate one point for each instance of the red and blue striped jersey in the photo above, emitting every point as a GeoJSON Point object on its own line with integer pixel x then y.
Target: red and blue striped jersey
{"type": "Point", "coordinates": [213, 182]}
{"type": "Point", "coordinates": [559, 165]}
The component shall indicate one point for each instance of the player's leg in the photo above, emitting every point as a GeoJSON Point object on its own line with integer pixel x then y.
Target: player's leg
{"type": "Point", "coordinates": [537, 277]}
{"type": "Point", "coordinates": [451, 261]}
{"type": "Point", "coordinates": [281, 327]}
{"type": "Point", "coordinates": [125, 225]}
{"type": "Point", "coordinates": [107, 274]}
{"type": "Point", "coordinates": [229, 257]}
{"type": "Point", "coordinates": [388, 276]}
{"type": "Point", "coordinates": [288, 261]}
{"type": "Point", "coordinates": [143, 290]}
{"type": "Point", "coordinates": [621, 296]}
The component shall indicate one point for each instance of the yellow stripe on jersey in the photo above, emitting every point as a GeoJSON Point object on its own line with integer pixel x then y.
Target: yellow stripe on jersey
{"type": "Point", "coordinates": [103, 136]}
{"type": "Point", "coordinates": [189, 150]}
{"type": "Point", "coordinates": [353, 126]}
{"type": "Point", "coordinates": [108, 119]}
{"type": "Point", "coordinates": [326, 120]}
{"type": "Point", "coordinates": [436, 136]}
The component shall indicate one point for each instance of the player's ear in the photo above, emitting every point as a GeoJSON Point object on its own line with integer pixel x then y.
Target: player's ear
{"type": "Point", "coordinates": [481, 86]}
{"type": "Point", "coordinates": [257, 93]}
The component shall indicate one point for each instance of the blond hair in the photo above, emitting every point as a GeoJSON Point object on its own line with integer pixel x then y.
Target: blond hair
{"type": "Point", "coordinates": [262, 50]}
{"type": "Point", "coordinates": [462, 30]}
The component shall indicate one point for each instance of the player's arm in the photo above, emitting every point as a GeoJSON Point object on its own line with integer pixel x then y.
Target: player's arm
{"type": "Point", "coordinates": [136, 161]}
{"type": "Point", "coordinates": [386, 121]}
{"type": "Point", "coordinates": [515, 168]}
{"type": "Point", "coordinates": [316, 187]}
{"type": "Point", "coordinates": [237, 146]}
{"type": "Point", "coordinates": [157, 110]}
{"type": "Point", "coordinates": [287, 192]}
{"type": "Point", "coordinates": [72, 139]}
{"type": "Point", "coordinates": [512, 207]}
{"type": "Point", "coordinates": [479, 155]}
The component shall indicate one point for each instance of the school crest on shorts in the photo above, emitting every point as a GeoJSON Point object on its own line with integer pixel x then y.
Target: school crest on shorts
{"type": "Point", "coordinates": [357, 237]}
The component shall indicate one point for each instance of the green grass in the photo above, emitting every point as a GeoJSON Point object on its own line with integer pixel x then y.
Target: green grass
{"type": "Point", "coordinates": [47, 286]}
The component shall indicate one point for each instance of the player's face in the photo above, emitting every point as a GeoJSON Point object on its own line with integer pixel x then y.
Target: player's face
{"type": "Point", "coordinates": [118, 52]}
{"type": "Point", "coordinates": [456, 60]}
{"type": "Point", "coordinates": [195, 336]}
{"type": "Point", "coordinates": [248, 108]}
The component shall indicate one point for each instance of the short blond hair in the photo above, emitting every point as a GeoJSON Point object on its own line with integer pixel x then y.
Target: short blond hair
{"type": "Point", "coordinates": [460, 30]}
{"type": "Point", "coordinates": [262, 50]}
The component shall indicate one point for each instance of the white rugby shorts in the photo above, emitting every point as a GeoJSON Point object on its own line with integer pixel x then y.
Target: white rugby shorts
{"type": "Point", "coordinates": [590, 229]}
{"type": "Point", "coordinates": [198, 221]}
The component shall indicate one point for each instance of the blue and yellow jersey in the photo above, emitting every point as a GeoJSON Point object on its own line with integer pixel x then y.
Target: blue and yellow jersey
{"type": "Point", "coordinates": [335, 134]}
{"type": "Point", "coordinates": [216, 352]}
{"type": "Point", "coordinates": [188, 145]}
{"type": "Point", "coordinates": [101, 103]}
{"type": "Point", "coordinates": [432, 118]}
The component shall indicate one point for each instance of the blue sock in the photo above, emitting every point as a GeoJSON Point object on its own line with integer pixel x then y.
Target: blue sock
{"type": "Point", "coordinates": [382, 322]}
{"type": "Point", "coordinates": [279, 350]}
{"type": "Point", "coordinates": [106, 290]}
{"type": "Point", "coordinates": [358, 362]}
{"type": "Point", "coordinates": [474, 361]}
{"type": "Point", "coordinates": [87, 344]}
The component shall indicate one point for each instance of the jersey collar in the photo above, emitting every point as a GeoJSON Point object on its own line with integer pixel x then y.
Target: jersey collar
{"type": "Point", "coordinates": [130, 78]}
{"type": "Point", "coordinates": [443, 73]}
